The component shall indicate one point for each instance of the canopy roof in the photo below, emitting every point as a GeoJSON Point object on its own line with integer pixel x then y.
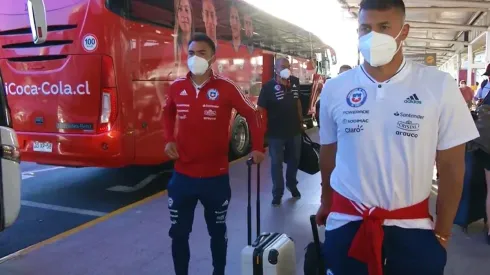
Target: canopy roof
{"type": "Point", "coordinates": [438, 26]}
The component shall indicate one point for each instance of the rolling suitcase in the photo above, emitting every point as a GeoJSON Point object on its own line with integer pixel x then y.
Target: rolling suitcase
{"type": "Point", "coordinates": [270, 253]}
{"type": "Point", "coordinates": [314, 264]}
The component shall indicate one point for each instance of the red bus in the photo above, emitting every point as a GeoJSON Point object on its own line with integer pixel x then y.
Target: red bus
{"type": "Point", "coordinates": [86, 79]}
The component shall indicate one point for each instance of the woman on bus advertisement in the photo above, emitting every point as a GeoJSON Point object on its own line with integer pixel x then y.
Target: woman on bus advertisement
{"type": "Point", "coordinates": [210, 19]}
{"type": "Point", "coordinates": [249, 32]}
{"type": "Point", "coordinates": [183, 30]}
{"type": "Point", "coordinates": [236, 28]}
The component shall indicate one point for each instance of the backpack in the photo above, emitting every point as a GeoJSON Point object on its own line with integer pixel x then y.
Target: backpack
{"type": "Point", "coordinates": [483, 84]}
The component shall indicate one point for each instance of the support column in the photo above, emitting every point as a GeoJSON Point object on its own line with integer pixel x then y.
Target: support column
{"type": "Point", "coordinates": [458, 65]}
{"type": "Point", "coordinates": [469, 69]}
{"type": "Point", "coordinates": [487, 47]}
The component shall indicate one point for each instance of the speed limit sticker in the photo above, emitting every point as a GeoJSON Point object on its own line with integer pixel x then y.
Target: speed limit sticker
{"type": "Point", "coordinates": [89, 42]}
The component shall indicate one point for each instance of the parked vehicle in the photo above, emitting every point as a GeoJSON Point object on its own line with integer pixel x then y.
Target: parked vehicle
{"type": "Point", "coordinates": [10, 176]}
{"type": "Point", "coordinates": [87, 79]}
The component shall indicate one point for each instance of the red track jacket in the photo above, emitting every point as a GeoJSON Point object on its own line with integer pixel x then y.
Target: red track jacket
{"type": "Point", "coordinates": [203, 116]}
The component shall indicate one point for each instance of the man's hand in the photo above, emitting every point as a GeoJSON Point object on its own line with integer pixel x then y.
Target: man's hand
{"type": "Point", "coordinates": [302, 127]}
{"type": "Point", "coordinates": [171, 150]}
{"type": "Point", "coordinates": [321, 215]}
{"type": "Point", "coordinates": [257, 156]}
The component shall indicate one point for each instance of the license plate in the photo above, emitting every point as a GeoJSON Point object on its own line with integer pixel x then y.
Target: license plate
{"type": "Point", "coordinates": [42, 146]}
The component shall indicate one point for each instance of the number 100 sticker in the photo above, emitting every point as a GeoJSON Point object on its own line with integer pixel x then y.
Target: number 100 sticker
{"type": "Point", "coordinates": [89, 42]}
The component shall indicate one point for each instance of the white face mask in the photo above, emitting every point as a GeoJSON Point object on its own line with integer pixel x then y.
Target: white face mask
{"type": "Point", "coordinates": [285, 74]}
{"type": "Point", "coordinates": [378, 49]}
{"type": "Point", "coordinates": [197, 65]}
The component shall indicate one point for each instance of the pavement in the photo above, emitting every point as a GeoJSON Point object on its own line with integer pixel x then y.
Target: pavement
{"type": "Point", "coordinates": [109, 248]}
{"type": "Point", "coordinates": [56, 199]}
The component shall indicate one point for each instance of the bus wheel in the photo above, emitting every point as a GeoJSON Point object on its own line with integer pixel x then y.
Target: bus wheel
{"type": "Point", "coordinates": [240, 137]}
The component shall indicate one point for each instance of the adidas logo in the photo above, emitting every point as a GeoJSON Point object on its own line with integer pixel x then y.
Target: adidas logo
{"type": "Point", "coordinates": [184, 92]}
{"type": "Point", "coordinates": [225, 203]}
{"type": "Point", "coordinates": [413, 99]}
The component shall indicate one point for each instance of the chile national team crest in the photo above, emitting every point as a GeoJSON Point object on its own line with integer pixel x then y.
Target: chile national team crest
{"type": "Point", "coordinates": [213, 94]}
{"type": "Point", "coordinates": [356, 97]}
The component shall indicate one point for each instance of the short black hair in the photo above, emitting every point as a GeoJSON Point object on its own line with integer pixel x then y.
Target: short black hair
{"type": "Point", "coordinates": [382, 5]}
{"type": "Point", "coordinates": [202, 37]}
{"type": "Point", "coordinates": [345, 67]}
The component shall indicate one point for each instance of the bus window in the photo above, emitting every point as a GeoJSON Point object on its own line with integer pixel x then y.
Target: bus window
{"type": "Point", "coordinates": [152, 11]}
{"type": "Point", "coordinates": [103, 89]}
{"type": "Point", "coordinates": [255, 89]}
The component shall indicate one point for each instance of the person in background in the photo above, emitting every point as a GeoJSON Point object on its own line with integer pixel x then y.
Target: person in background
{"type": "Point", "coordinates": [484, 87]}
{"type": "Point", "coordinates": [383, 124]}
{"type": "Point", "coordinates": [482, 154]}
{"type": "Point", "coordinates": [279, 102]}
{"type": "Point", "coordinates": [343, 68]}
{"type": "Point", "coordinates": [202, 102]}
{"type": "Point", "coordinates": [467, 92]}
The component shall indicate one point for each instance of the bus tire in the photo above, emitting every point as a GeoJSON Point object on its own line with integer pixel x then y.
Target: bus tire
{"type": "Point", "coordinates": [240, 137]}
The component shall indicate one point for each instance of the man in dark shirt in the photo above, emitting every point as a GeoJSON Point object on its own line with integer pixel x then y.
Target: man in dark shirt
{"type": "Point", "coordinates": [279, 101]}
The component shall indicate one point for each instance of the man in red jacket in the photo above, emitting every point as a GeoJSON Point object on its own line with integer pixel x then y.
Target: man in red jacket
{"type": "Point", "coordinates": [203, 103]}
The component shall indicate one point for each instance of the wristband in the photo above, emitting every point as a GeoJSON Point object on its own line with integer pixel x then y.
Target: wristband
{"type": "Point", "coordinates": [442, 238]}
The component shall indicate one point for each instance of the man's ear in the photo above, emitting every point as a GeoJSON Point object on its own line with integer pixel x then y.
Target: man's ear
{"type": "Point", "coordinates": [405, 31]}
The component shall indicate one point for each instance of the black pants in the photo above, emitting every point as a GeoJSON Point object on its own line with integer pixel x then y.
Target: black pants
{"type": "Point", "coordinates": [183, 194]}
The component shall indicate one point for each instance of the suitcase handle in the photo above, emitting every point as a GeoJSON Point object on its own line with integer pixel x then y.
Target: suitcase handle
{"type": "Point", "coordinates": [316, 240]}
{"type": "Point", "coordinates": [250, 162]}
{"type": "Point", "coordinates": [259, 239]}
